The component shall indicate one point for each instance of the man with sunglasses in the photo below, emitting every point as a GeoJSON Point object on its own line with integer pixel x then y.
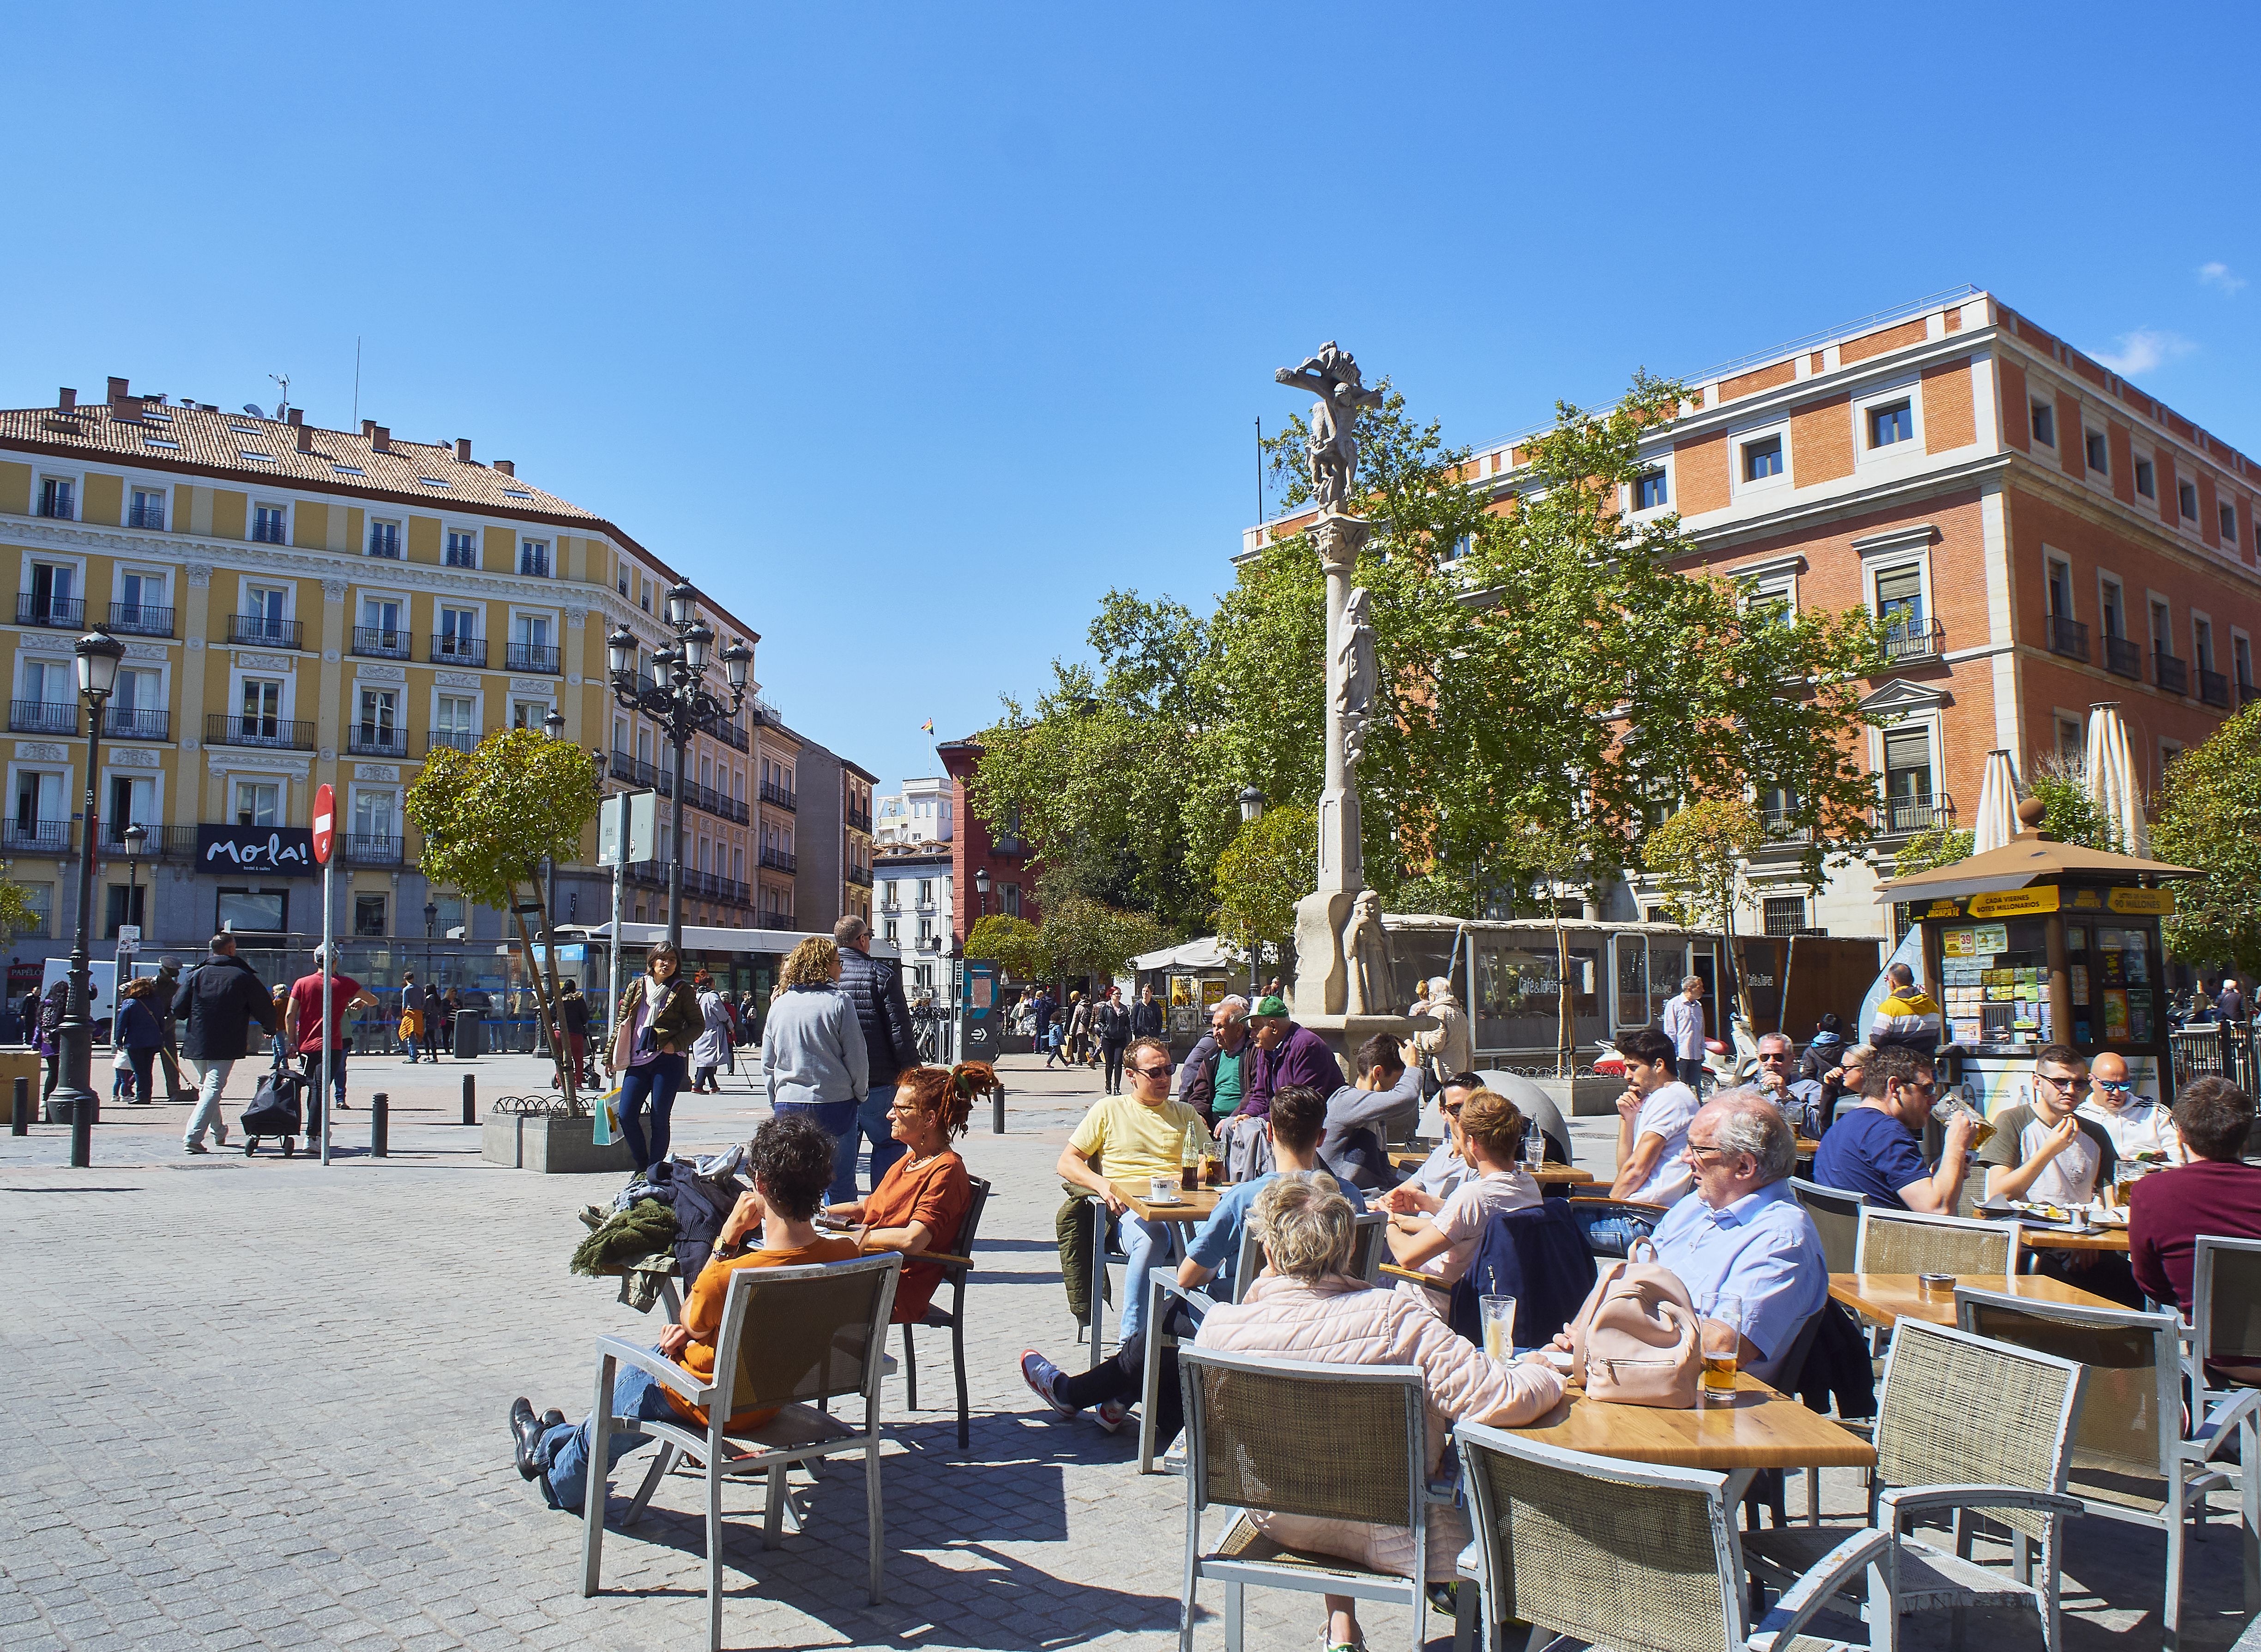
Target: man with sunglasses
{"type": "Point", "coordinates": [2138, 1124]}
{"type": "Point", "coordinates": [1874, 1148]}
{"type": "Point", "coordinates": [1424, 1193]}
{"type": "Point", "coordinates": [2045, 1151]}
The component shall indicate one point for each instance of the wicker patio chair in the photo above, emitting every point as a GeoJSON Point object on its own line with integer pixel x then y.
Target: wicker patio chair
{"type": "Point", "coordinates": [1336, 1442]}
{"type": "Point", "coordinates": [956, 1266]}
{"type": "Point", "coordinates": [1904, 1242]}
{"type": "Point", "coordinates": [2225, 1310]}
{"type": "Point", "coordinates": [2131, 1459]}
{"type": "Point", "coordinates": [791, 1338]}
{"type": "Point", "coordinates": [1625, 1553]}
{"type": "Point", "coordinates": [1837, 1215]}
{"type": "Point", "coordinates": [1931, 1461]}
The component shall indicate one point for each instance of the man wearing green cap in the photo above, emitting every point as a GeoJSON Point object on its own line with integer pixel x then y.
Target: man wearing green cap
{"type": "Point", "coordinates": [1283, 1054]}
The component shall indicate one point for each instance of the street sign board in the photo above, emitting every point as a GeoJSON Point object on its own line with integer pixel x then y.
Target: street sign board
{"type": "Point", "coordinates": [643, 826]}
{"type": "Point", "coordinates": [627, 829]}
{"type": "Point", "coordinates": [324, 819]}
{"type": "Point", "coordinates": [129, 939]}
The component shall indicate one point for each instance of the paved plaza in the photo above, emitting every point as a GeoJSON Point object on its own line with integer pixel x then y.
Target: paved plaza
{"type": "Point", "coordinates": [258, 1402]}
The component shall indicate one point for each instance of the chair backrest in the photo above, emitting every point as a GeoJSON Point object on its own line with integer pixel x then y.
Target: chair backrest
{"type": "Point", "coordinates": [1959, 1409]}
{"type": "Point", "coordinates": [2131, 1404]}
{"type": "Point", "coordinates": [1904, 1242]}
{"type": "Point", "coordinates": [796, 1334]}
{"type": "Point", "coordinates": [1602, 1549]}
{"type": "Point", "coordinates": [1248, 1262]}
{"type": "Point", "coordinates": [1836, 1213]}
{"type": "Point", "coordinates": [1538, 1255]}
{"type": "Point", "coordinates": [963, 1245]}
{"type": "Point", "coordinates": [1369, 1246]}
{"type": "Point", "coordinates": [1249, 1433]}
{"type": "Point", "coordinates": [2226, 1299]}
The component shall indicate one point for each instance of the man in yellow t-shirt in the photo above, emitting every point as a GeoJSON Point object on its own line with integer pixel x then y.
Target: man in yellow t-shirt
{"type": "Point", "coordinates": [1125, 1138]}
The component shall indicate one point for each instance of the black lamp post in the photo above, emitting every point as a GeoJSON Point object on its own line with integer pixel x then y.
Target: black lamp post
{"type": "Point", "coordinates": [431, 917]}
{"type": "Point", "coordinates": [680, 702]}
{"type": "Point", "coordinates": [98, 654]}
{"type": "Point", "coordinates": [1252, 810]}
{"type": "Point", "coordinates": [137, 837]}
{"type": "Point", "coordinates": [981, 889]}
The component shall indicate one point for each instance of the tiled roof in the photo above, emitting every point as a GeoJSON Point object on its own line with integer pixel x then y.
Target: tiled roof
{"type": "Point", "coordinates": [174, 437]}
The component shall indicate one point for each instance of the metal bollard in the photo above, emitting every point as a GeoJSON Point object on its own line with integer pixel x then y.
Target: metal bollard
{"type": "Point", "coordinates": [470, 1101]}
{"type": "Point", "coordinates": [998, 1128]}
{"type": "Point", "coordinates": [379, 1126]}
{"type": "Point", "coordinates": [21, 1125]}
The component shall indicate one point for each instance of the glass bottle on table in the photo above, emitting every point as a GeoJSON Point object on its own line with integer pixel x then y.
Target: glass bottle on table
{"type": "Point", "coordinates": [1189, 1162]}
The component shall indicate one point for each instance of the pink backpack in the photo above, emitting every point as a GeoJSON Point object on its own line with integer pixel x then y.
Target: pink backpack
{"type": "Point", "coordinates": [1636, 1341]}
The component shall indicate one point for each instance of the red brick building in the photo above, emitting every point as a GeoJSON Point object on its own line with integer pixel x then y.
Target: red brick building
{"type": "Point", "coordinates": [975, 848]}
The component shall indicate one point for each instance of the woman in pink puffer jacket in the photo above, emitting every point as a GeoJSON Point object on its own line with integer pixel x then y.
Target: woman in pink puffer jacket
{"type": "Point", "coordinates": [1306, 1308]}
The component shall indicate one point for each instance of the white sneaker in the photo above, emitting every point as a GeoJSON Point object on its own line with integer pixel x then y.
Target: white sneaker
{"type": "Point", "coordinates": [1044, 1376]}
{"type": "Point", "coordinates": [1110, 1414]}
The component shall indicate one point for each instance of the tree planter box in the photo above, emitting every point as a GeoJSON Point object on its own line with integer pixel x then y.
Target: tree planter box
{"type": "Point", "coordinates": [550, 1146]}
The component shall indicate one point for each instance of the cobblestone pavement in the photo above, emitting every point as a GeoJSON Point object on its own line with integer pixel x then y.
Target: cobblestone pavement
{"type": "Point", "coordinates": [258, 1402]}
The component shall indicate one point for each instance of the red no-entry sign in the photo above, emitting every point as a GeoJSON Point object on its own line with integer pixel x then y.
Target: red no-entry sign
{"type": "Point", "coordinates": [326, 809]}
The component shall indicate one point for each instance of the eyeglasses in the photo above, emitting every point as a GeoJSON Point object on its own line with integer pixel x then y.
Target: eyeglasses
{"type": "Point", "coordinates": [1696, 1149]}
{"type": "Point", "coordinates": [2116, 1085]}
{"type": "Point", "coordinates": [2070, 1087]}
{"type": "Point", "coordinates": [1161, 1071]}
{"type": "Point", "coordinates": [1774, 1057]}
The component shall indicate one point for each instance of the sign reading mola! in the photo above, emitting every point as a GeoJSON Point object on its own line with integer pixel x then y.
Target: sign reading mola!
{"type": "Point", "coordinates": [280, 851]}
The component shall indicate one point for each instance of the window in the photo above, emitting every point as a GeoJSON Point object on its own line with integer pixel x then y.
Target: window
{"type": "Point", "coordinates": [54, 586]}
{"type": "Point", "coordinates": [2186, 497]}
{"type": "Point", "coordinates": [2044, 424]}
{"type": "Point", "coordinates": [1887, 425]}
{"type": "Point", "coordinates": [1762, 459]}
{"type": "Point", "coordinates": [2202, 644]}
{"type": "Point", "coordinates": [456, 717]}
{"type": "Point", "coordinates": [1012, 900]}
{"type": "Point", "coordinates": [1786, 914]}
{"type": "Point", "coordinates": [380, 617]}
{"type": "Point", "coordinates": [384, 540]}
{"type": "Point", "coordinates": [263, 707]}
{"type": "Point", "coordinates": [53, 683]}
{"type": "Point", "coordinates": [2162, 626]}
{"type": "Point", "coordinates": [449, 918]}
{"type": "Point", "coordinates": [533, 630]}
{"type": "Point", "coordinates": [124, 905]}
{"type": "Point", "coordinates": [2115, 616]}
{"type": "Point", "coordinates": [137, 691]}
{"type": "Point", "coordinates": [2146, 480]}
{"type": "Point", "coordinates": [258, 803]}
{"type": "Point", "coordinates": [2070, 746]}
{"type": "Point", "coordinates": [41, 897]}
{"type": "Point", "coordinates": [265, 606]}
{"type": "Point", "coordinates": [2098, 451]}
{"type": "Point", "coordinates": [141, 601]}
{"type": "Point", "coordinates": [534, 557]}
{"type": "Point", "coordinates": [147, 509]}
{"type": "Point", "coordinates": [378, 711]}
{"type": "Point", "coordinates": [267, 525]}
{"type": "Point", "coordinates": [2240, 659]}
{"type": "Point", "coordinates": [893, 936]}
{"type": "Point", "coordinates": [260, 909]}
{"type": "Point", "coordinates": [1899, 600]}
{"type": "Point", "coordinates": [2230, 524]}
{"type": "Point", "coordinates": [462, 549]}
{"type": "Point", "coordinates": [644, 594]}
{"type": "Point", "coordinates": [624, 578]}
{"type": "Point", "coordinates": [459, 630]}
{"type": "Point", "coordinates": [1650, 492]}
{"type": "Point", "coordinates": [55, 497]}
{"type": "Point", "coordinates": [926, 892]}
{"type": "Point", "coordinates": [529, 714]}
{"type": "Point", "coordinates": [1907, 778]}
{"type": "Point", "coordinates": [369, 915]}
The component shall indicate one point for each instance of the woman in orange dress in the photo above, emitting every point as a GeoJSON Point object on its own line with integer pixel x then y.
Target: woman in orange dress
{"type": "Point", "coordinates": [921, 1202]}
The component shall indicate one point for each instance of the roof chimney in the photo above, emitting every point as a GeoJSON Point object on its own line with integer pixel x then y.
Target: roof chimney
{"type": "Point", "coordinates": [67, 398]}
{"type": "Point", "coordinates": [367, 425]}
{"type": "Point", "coordinates": [122, 404]}
{"type": "Point", "coordinates": [117, 390]}
{"type": "Point", "coordinates": [462, 450]}
{"type": "Point", "coordinates": [380, 439]}
{"type": "Point", "coordinates": [305, 432]}
{"type": "Point", "coordinates": [508, 467]}
{"type": "Point", "coordinates": [297, 415]}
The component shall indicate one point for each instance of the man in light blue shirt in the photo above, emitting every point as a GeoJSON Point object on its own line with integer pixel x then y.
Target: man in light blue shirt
{"type": "Point", "coordinates": [1296, 1122]}
{"type": "Point", "coordinates": [1743, 1233]}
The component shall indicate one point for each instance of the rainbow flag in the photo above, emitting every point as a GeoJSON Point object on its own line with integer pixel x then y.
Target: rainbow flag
{"type": "Point", "coordinates": [927, 726]}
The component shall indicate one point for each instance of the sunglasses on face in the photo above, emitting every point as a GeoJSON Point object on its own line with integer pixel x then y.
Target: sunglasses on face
{"type": "Point", "coordinates": [1161, 1071]}
{"type": "Point", "coordinates": [2117, 1087]}
{"type": "Point", "coordinates": [2072, 1087]}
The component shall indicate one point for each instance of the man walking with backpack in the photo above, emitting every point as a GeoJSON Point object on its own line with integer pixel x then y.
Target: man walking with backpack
{"type": "Point", "coordinates": [217, 1003]}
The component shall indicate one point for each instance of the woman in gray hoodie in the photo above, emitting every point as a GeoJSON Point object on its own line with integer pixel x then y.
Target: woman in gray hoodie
{"type": "Point", "coordinates": [813, 1056]}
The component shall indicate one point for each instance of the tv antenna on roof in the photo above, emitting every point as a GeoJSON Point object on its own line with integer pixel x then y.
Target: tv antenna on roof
{"type": "Point", "coordinates": [282, 407]}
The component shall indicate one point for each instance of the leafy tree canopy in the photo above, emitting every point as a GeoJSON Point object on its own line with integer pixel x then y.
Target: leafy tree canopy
{"type": "Point", "coordinates": [1015, 945]}
{"type": "Point", "coordinates": [490, 814]}
{"type": "Point", "coordinates": [2210, 818]}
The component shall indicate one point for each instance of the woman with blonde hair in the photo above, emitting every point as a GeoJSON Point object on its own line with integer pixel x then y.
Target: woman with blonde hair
{"type": "Point", "coordinates": [813, 1057]}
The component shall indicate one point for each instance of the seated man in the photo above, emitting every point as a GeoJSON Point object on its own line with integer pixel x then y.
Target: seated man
{"type": "Point", "coordinates": [1426, 1189]}
{"type": "Point", "coordinates": [1873, 1149]}
{"type": "Point", "coordinates": [1653, 1119]}
{"type": "Point", "coordinates": [1440, 1246]}
{"type": "Point", "coordinates": [2046, 1151]}
{"type": "Point", "coordinates": [791, 1159]}
{"type": "Point", "coordinates": [2139, 1126]}
{"type": "Point", "coordinates": [2216, 1193]}
{"type": "Point", "coordinates": [1294, 1125]}
{"type": "Point", "coordinates": [1777, 1078]}
{"type": "Point", "coordinates": [1360, 1116]}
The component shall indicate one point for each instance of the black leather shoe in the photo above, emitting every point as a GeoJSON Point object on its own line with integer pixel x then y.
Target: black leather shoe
{"type": "Point", "coordinates": [526, 1430]}
{"type": "Point", "coordinates": [552, 1418]}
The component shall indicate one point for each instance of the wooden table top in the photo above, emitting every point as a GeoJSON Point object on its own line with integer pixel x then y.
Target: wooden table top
{"type": "Point", "coordinates": [2054, 1239]}
{"type": "Point", "coordinates": [1760, 1429]}
{"type": "Point", "coordinates": [1191, 1209]}
{"type": "Point", "coordinates": [1885, 1297]}
{"type": "Point", "coordinates": [1546, 1175]}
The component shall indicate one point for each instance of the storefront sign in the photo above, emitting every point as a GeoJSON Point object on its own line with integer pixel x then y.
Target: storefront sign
{"type": "Point", "coordinates": [2158, 901]}
{"type": "Point", "coordinates": [2009, 904]}
{"type": "Point", "coordinates": [285, 852]}
{"type": "Point", "coordinates": [1942, 909]}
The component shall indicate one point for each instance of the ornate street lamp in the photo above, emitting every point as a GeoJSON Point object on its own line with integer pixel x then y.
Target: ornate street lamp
{"type": "Point", "coordinates": [1252, 810]}
{"type": "Point", "coordinates": [136, 836]}
{"type": "Point", "coordinates": [431, 917]}
{"type": "Point", "coordinates": [680, 701]}
{"type": "Point", "coordinates": [981, 888]}
{"type": "Point", "coordinates": [98, 654]}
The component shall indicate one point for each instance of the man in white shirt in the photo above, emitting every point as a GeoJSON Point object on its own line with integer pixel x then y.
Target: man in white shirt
{"type": "Point", "coordinates": [2136, 1124]}
{"type": "Point", "coordinates": [1683, 1025]}
{"type": "Point", "coordinates": [1653, 1119]}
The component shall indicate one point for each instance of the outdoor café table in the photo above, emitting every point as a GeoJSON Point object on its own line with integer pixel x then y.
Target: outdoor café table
{"type": "Point", "coordinates": [1545, 1176]}
{"type": "Point", "coordinates": [1190, 1211]}
{"type": "Point", "coordinates": [1885, 1297]}
{"type": "Point", "coordinates": [2037, 1235]}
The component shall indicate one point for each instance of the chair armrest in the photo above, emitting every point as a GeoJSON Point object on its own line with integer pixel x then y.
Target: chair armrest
{"type": "Point", "coordinates": [944, 1257]}
{"type": "Point", "coordinates": [1165, 1280]}
{"type": "Point", "coordinates": [655, 1363]}
{"type": "Point", "coordinates": [2222, 1425]}
{"type": "Point", "coordinates": [1822, 1581]}
{"type": "Point", "coordinates": [1408, 1275]}
{"type": "Point", "coordinates": [1924, 1498]}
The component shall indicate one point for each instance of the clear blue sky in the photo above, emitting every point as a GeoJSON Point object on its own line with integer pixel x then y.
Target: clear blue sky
{"type": "Point", "coordinates": [909, 330]}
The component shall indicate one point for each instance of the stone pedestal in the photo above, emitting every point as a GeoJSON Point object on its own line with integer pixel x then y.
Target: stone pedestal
{"type": "Point", "coordinates": [1322, 980]}
{"type": "Point", "coordinates": [1344, 1033]}
{"type": "Point", "coordinates": [551, 1145]}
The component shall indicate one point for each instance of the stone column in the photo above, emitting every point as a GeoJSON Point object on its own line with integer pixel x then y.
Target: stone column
{"type": "Point", "coordinates": [1322, 978]}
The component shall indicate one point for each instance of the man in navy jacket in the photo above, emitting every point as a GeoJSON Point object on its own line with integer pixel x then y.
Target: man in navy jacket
{"type": "Point", "coordinates": [875, 987]}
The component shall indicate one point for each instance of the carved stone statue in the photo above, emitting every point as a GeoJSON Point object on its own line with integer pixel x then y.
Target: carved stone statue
{"type": "Point", "coordinates": [1354, 673]}
{"type": "Point", "coordinates": [1333, 376]}
{"type": "Point", "coordinates": [1373, 987]}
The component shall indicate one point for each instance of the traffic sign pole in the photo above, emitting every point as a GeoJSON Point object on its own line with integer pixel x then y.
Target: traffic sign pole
{"type": "Point", "coordinates": [325, 839]}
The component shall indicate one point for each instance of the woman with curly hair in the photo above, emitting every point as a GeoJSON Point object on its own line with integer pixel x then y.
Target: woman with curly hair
{"type": "Point", "coordinates": [813, 1056]}
{"type": "Point", "coordinates": [921, 1203]}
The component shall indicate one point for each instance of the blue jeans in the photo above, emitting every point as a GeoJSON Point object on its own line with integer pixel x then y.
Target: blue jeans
{"type": "Point", "coordinates": [872, 1124]}
{"type": "Point", "coordinates": [1613, 1235]}
{"type": "Point", "coordinates": [653, 1084]}
{"type": "Point", "coordinates": [412, 1048]}
{"type": "Point", "coordinates": [564, 1452]}
{"type": "Point", "coordinates": [837, 1120]}
{"type": "Point", "coordinates": [1146, 1245]}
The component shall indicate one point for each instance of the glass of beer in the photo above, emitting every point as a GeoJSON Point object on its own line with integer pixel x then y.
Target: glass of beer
{"type": "Point", "coordinates": [1952, 1103]}
{"type": "Point", "coordinates": [1722, 1330]}
{"type": "Point", "coordinates": [1497, 1315]}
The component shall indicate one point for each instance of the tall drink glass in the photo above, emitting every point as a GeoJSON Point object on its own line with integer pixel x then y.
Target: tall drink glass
{"type": "Point", "coordinates": [1722, 1330]}
{"type": "Point", "coordinates": [1497, 1315]}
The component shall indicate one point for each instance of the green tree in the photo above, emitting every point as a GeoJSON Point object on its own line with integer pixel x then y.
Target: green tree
{"type": "Point", "coordinates": [1084, 936]}
{"type": "Point", "coordinates": [2071, 814]}
{"type": "Point", "coordinates": [1699, 854]}
{"type": "Point", "coordinates": [16, 914]}
{"type": "Point", "coordinates": [489, 817]}
{"type": "Point", "coordinates": [1013, 945]}
{"type": "Point", "coordinates": [2210, 818]}
{"type": "Point", "coordinates": [1271, 864]}
{"type": "Point", "coordinates": [1935, 846]}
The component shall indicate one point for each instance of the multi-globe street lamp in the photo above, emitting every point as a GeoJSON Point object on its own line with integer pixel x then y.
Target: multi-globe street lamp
{"type": "Point", "coordinates": [676, 697]}
{"type": "Point", "coordinates": [1252, 810]}
{"type": "Point", "coordinates": [98, 654]}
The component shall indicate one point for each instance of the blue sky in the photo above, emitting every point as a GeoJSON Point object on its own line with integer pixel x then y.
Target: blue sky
{"type": "Point", "coordinates": [910, 330]}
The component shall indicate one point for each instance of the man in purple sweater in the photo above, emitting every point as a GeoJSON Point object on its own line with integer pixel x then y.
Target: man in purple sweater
{"type": "Point", "coordinates": [1279, 1053]}
{"type": "Point", "coordinates": [2216, 1194]}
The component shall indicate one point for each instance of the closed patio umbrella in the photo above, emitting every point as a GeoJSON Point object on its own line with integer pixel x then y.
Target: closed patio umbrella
{"type": "Point", "coordinates": [1997, 805]}
{"type": "Point", "coordinates": [2111, 775]}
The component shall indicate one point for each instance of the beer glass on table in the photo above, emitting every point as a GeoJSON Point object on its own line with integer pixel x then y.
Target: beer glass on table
{"type": "Point", "coordinates": [1722, 1330]}
{"type": "Point", "coordinates": [1497, 1315]}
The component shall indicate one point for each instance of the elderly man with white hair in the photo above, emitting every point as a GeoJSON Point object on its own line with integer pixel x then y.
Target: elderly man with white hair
{"type": "Point", "coordinates": [1451, 1047]}
{"type": "Point", "coordinates": [1799, 1099]}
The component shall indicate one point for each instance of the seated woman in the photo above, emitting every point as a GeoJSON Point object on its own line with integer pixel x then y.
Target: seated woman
{"type": "Point", "coordinates": [921, 1203]}
{"type": "Point", "coordinates": [1440, 1245]}
{"type": "Point", "coordinates": [1307, 1308]}
{"type": "Point", "coordinates": [791, 1159]}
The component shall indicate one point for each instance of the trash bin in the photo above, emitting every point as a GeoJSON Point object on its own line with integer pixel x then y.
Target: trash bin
{"type": "Point", "coordinates": [470, 1035]}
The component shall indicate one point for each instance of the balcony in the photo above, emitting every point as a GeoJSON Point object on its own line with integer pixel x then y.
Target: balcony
{"type": "Point", "coordinates": [2122, 658]}
{"type": "Point", "coordinates": [730, 734]}
{"type": "Point", "coordinates": [377, 740]}
{"type": "Point", "coordinates": [253, 630]}
{"type": "Point", "coordinates": [2170, 673]}
{"type": "Point", "coordinates": [163, 842]}
{"type": "Point", "coordinates": [136, 722]}
{"type": "Point", "coordinates": [1783, 827]}
{"type": "Point", "coordinates": [2247, 693]}
{"type": "Point", "coordinates": [858, 820]}
{"type": "Point", "coordinates": [2214, 688]}
{"type": "Point", "coordinates": [772, 793]}
{"type": "Point", "coordinates": [370, 849]}
{"type": "Point", "coordinates": [1901, 815]}
{"type": "Point", "coordinates": [273, 732]}
{"type": "Point", "coordinates": [20, 835]}
{"type": "Point", "coordinates": [714, 802]}
{"type": "Point", "coordinates": [860, 875]}
{"type": "Point", "coordinates": [34, 610]}
{"type": "Point", "coordinates": [779, 860]}
{"type": "Point", "coordinates": [43, 716]}
{"type": "Point", "coordinates": [454, 739]}
{"type": "Point", "coordinates": [1923, 640]}
{"type": "Point", "coordinates": [530, 657]}
{"type": "Point", "coordinates": [2068, 638]}
{"type": "Point", "coordinates": [459, 650]}
{"type": "Point", "coordinates": [139, 619]}
{"type": "Point", "coordinates": [372, 642]}
{"type": "Point", "coordinates": [639, 773]}
{"type": "Point", "coordinates": [151, 514]}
